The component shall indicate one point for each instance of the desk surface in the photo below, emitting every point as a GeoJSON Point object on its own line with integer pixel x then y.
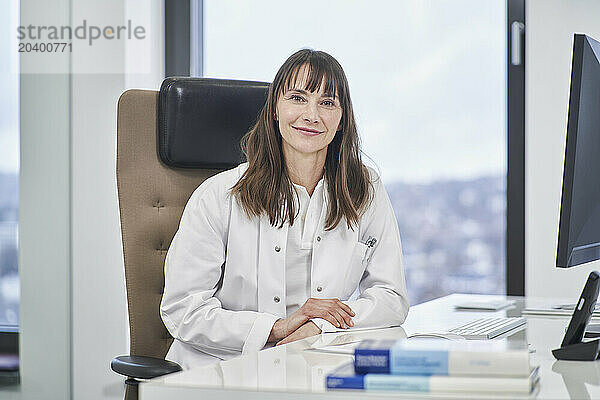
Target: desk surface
{"type": "Point", "coordinates": [300, 372]}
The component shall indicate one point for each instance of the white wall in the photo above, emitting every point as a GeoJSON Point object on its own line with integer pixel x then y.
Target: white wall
{"type": "Point", "coordinates": [73, 303]}
{"type": "Point", "coordinates": [550, 25]}
{"type": "Point", "coordinates": [99, 311]}
{"type": "Point", "coordinates": [44, 218]}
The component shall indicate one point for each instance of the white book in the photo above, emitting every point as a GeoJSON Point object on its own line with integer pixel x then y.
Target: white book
{"type": "Point", "coordinates": [484, 383]}
{"type": "Point", "coordinates": [442, 357]}
{"type": "Point", "coordinates": [345, 378]}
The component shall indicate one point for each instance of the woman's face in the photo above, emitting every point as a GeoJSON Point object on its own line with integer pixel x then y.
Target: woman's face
{"type": "Point", "coordinates": [307, 121]}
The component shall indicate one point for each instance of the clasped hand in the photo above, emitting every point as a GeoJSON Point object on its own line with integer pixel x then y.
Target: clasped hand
{"type": "Point", "coordinates": [298, 325]}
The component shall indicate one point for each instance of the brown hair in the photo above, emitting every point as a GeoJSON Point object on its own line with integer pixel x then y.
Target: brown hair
{"type": "Point", "coordinates": [265, 187]}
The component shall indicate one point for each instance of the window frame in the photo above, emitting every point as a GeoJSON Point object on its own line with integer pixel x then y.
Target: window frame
{"type": "Point", "coordinates": [515, 137]}
{"type": "Point", "coordinates": [184, 27]}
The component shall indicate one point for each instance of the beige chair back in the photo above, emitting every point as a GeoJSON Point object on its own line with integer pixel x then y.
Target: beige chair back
{"type": "Point", "coordinates": [151, 200]}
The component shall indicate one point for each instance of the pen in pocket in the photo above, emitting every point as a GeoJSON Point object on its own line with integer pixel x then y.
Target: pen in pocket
{"type": "Point", "coordinates": [370, 243]}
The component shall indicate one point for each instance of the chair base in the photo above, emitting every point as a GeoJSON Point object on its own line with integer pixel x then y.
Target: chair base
{"type": "Point", "coordinates": [132, 382]}
{"type": "Point", "coordinates": [131, 391]}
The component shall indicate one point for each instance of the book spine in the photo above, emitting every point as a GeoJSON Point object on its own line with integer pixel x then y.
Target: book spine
{"type": "Point", "coordinates": [400, 383]}
{"type": "Point", "coordinates": [375, 361]}
{"type": "Point", "coordinates": [418, 362]}
{"type": "Point", "coordinates": [480, 384]}
{"type": "Point", "coordinates": [416, 383]}
{"type": "Point", "coordinates": [435, 383]}
{"type": "Point", "coordinates": [402, 362]}
{"type": "Point", "coordinates": [345, 382]}
{"type": "Point", "coordinates": [515, 363]}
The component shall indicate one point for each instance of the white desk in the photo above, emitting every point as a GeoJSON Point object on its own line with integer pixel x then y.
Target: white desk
{"type": "Point", "coordinates": [292, 372]}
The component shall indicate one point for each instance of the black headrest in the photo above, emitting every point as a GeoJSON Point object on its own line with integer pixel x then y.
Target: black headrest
{"type": "Point", "coordinates": [201, 120]}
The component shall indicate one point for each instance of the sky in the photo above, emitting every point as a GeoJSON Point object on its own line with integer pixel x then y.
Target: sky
{"type": "Point", "coordinates": [427, 78]}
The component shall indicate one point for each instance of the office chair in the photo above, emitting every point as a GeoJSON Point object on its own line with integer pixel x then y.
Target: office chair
{"type": "Point", "coordinates": [168, 143]}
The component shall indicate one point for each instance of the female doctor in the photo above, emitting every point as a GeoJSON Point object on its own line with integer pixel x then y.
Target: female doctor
{"type": "Point", "coordinates": [300, 240]}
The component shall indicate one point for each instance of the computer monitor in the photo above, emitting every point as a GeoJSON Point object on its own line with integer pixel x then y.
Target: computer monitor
{"type": "Point", "coordinates": [579, 227]}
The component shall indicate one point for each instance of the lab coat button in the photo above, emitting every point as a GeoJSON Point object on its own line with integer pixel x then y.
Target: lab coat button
{"type": "Point", "coordinates": [318, 238]}
{"type": "Point", "coordinates": [319, 289]}
{"type": "Point", "coordinates": [277, 249]}
{"type": "Point", "coordinates": [276, 299]}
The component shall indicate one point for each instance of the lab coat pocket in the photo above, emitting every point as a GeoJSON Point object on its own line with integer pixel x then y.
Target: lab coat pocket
{"type": "Point", "coordinates": [355, 268]}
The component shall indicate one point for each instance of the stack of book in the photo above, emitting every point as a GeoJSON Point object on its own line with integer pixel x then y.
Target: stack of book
{"type": "Point", "coordinates": [437, 365]}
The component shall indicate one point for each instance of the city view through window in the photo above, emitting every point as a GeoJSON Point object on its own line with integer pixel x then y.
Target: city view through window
{"type": "Point", "coordinates": [428, 85]}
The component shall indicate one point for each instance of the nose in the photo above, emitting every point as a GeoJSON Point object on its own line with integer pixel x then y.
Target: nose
{"type": "Point", "coordinates": [311, 113]}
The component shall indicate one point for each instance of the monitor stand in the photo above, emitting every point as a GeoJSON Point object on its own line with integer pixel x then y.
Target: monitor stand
{"type": "Point", "coordinates": [582, 254]}
{"type": "Point", "coordinates": [573, 348]}
{"type": "Point", "coordinates": [592, 331]}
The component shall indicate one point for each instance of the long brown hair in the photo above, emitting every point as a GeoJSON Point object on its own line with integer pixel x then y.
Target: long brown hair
{"type": "Point", "coordinates": [265, 187]}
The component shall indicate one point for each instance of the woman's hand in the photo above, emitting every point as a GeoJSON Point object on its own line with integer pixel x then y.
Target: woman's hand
{"type": "Point", "coordinates": [306, 330]}
{"type": "Point", "coordinates": [331, 310]}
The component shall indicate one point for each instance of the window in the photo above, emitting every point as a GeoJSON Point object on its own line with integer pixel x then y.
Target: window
{"type": "Point", "coordinates": [9, 167]}
{"type": "Point", "coordinates": [428, 82]}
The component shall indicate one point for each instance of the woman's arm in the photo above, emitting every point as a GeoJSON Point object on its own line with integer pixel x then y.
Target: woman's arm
{"type": "Point", "coordinates": [383, 300]}
{"type": "Point", "coordinates": [330, 311]}
{"type": "Point", "coordinates": [193, 269]}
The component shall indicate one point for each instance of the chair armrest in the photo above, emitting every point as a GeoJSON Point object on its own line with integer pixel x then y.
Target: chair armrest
{"type": "Point", "coordinates": [142, 367]}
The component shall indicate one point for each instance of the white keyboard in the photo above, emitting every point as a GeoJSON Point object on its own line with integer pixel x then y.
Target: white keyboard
{"type": "Point", "coordinates": [488, 328]}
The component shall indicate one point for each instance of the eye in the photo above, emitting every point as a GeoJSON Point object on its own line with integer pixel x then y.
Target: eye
{"type": "Point", "coordinates": [328, 103]}
{"type": "Point", "coordinates": [296, 97]}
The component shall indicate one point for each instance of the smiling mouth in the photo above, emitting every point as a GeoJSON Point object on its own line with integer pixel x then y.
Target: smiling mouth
{"type": "Point", "coordinates": [307, 131]}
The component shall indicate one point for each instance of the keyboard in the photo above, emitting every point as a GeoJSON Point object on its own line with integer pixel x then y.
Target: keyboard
{"type": "Point", "coordinates": [488, 328]}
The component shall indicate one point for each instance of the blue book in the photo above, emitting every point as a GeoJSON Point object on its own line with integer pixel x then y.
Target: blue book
{"type": "Point", "coordinates": [442, 357]}
{"type": "Point", "coordinates": [344, 377]}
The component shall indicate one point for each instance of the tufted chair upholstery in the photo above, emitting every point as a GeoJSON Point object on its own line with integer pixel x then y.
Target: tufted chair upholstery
{"type": "Point", "coordinates": [152, 197]}
{"type": "Point", "coordinates": [151, 201]}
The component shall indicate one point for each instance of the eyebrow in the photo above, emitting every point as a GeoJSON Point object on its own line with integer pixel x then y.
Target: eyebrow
{"type": "Point", "coordinates": [304, 92]}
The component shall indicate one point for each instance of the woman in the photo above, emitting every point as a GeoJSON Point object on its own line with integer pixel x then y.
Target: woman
{"type": "Point", "coordinates": [273, 250]}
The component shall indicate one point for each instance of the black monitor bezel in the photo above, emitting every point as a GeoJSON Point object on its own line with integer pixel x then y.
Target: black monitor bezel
{"type": "Point", "coordinates": [562, 255]}
{"type": "Point", "coordinates": [563, 258]}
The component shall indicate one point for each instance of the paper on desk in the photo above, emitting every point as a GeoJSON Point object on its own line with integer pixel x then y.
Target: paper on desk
{"type": "Point", "coordinates": [344, 341]}
{"type": "Point", "coordinates": [338, 330]}
{"type": "Point", "coordinates": [347, 348]}
{"type": "Point", "coordinates": [556, 310]}
{"type": "Point", "coordinates": [484, 305]}
{"type": "Point", "coordinates": [335, 340]}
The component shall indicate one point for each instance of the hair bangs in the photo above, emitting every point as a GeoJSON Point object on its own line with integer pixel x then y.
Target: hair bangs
{"type": "Point", "coordinates": [318, 73]}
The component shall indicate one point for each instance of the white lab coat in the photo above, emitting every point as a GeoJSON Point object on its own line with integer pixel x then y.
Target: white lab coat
{"type": "Point", "coordinates": [225, 272]}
